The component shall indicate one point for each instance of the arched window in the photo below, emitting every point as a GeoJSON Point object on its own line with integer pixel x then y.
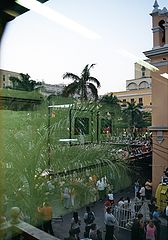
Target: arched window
{"type": "Point", "coordinates": [161, 24]}
{"type": "Point", "coordinates": [143, 71]}
{"type": "Point", "coordinates": [132, 86]}
{"type": "Point", "coordinates": [143, 85]}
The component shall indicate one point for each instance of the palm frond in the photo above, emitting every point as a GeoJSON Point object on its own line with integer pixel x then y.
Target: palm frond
{"type": "Point", "coordinates": [93, 90]}
{"type": "Point", "coordinates": [72, 76]}
{"type": "Point", "coordinates": [92, 65]}
{"type": "Point", "coordinates": [70, 89]}
{"type": "Point", "coordinates": [95, 80]}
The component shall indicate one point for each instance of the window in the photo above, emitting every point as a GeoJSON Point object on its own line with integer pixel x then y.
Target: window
{"type": "Point", "coordinates": [124, 103]}
{"type": "Point", "coordinates": [143, 71]}
{"type": "Point", "coordinates": [4, 78]}
{"type": "Point", "coordinates": [161, 24]}
{"type": "Point", "coordinates": [81, 126]}
{"type": "Point", "coordinates": [141, 101]}
{"type": "Point", "coordinates": [132, 100]}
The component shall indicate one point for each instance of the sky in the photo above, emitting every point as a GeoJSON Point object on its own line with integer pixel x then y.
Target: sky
{"type": "Point", "coordinates": [46, 50]}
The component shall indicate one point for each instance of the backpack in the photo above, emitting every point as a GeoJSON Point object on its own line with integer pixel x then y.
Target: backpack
{"type": "Point", "coordinates": [90, 218]}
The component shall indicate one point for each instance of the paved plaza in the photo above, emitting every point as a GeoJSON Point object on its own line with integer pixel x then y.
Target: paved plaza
{"type": "Point", "coordinates": [61, 228]}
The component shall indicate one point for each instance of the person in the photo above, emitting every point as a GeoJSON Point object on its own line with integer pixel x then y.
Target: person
{"type": "Point", "coordinates": [72, 196]}
{"type": "Point", "coordinates": [157, 221]}
{"type": "Point", "coordinates": [126, 202]}
{"type": "Point", "coordinates": [110, 222]}
{"type": "Point", "coordinates": [39, 218]}
{"type": "Point", "coordinates": [101, 188]}
{"type": "Point", "coordinates": [165, 177]}
{"type": "Point", "coordinates": [137, 229]}
{"type": "Point", "coordinates": [66, 196]}
{"type": "Point", "coordinates": [150, 231]}
{"type": "Point", "coordinates": [94, 233]}
{"type": "Point", "coordinates": [142, 193]}
{"type": "Point", "coordinates": [152, 206]}
{"type": "Point", "coordinates": [148, 189]}
{"type": "Point", "coordinates": [107, 203]}
{"type": "Point", "coordinates": [75, 225]}
{"type": "Point", "coordinates": [121, 202]}
{"type": "Point", "coordinates": [136, 187]}
{"type": "Point", "coordinates": [46, 213]}
{"type": "Point", "coordinates": [110, 197]}
{"type": "Point", "coordinates": [89, 218]}
{"type": "Point", "coordinates": [93, 195]}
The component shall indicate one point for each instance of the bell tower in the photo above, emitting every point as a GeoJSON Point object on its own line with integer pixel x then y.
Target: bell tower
{"type": "Point", "coordinates": [158, 56]}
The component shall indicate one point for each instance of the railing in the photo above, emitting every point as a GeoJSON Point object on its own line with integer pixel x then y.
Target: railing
{"type": "Point", "coordinates": [100, 164]}
{"type": "Point", "coordinates": [126, 216]}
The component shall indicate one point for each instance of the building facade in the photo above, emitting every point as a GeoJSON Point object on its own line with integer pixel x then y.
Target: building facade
{"type": "Point", "coordinates": [5, 78]}
{"type": "Point", "coordinates": [138, 90]}
{"type": "Point", "coordinates": [158, 56]}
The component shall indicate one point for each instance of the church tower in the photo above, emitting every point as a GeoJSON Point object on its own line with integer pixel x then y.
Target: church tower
{"type": "Point", "coordinates": [158, 56]}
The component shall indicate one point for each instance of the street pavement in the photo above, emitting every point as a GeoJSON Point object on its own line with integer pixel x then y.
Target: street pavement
{"type": "Point", "coordinates": [61, 228]}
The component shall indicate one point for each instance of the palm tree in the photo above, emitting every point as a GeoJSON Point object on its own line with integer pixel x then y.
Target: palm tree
{"type": "Point", "coordinates": [82, 85]}
{"type": "Point", "coordinates": [112, 103]}
{"type": "Point", "coordinates": [132, 114]}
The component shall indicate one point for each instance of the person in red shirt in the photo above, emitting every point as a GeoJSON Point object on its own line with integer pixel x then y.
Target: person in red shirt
{"type": "Point", "coordinates": [46, 213]}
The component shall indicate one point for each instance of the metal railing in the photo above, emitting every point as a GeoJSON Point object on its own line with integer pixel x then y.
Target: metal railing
{"type": "Point", "coordinates": [126, 215]}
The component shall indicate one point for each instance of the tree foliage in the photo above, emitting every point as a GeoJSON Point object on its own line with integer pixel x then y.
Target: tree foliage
{"type": "Point", "coordinates": [132, 114]}
{"type": "Point", "coordinates": [111, 103]}
{"type": "Point", "coordinates": [84, 85]}
{"type": "Point", "coordinates": [24, 83]}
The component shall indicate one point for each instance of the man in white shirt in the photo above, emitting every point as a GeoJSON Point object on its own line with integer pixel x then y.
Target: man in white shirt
{"type": "Point", "coordinates": [110, 221]}
{"type": "Point", "coordinates": [142, 193]}
{"type": "Point", "coordinates": [101, 188]}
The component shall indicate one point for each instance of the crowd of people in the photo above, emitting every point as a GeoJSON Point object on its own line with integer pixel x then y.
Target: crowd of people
{"type": "Point", "coordinates": [141, 229]}
{"type": "Point", "coordinates": [91, 229]}
{"type": "Point", "coordinates": [103, 191]}
{"type": "Point", "coordinates": [150, 228]}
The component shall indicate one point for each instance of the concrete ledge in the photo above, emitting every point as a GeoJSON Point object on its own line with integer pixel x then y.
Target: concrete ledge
{"type": "Point", "coordinates": [33, 233]}
{"type": "Point", "coordinates": [25, 230]}
{"type": "Point", "coordinates": [158, 128]}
